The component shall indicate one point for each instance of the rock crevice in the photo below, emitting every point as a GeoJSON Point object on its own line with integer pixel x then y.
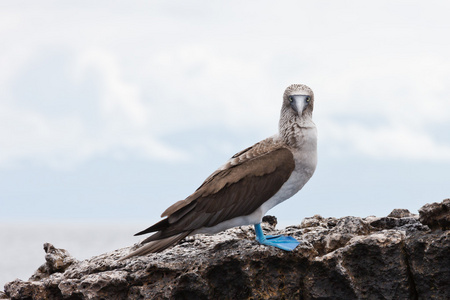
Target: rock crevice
{"type": "Point", "coordinates": [414, 295]}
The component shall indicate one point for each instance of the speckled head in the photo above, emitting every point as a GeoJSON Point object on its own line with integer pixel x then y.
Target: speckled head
{"type": "Point", "coordinates": [298, 88]}
{"type": "Point", "coordinates": [298, 98]}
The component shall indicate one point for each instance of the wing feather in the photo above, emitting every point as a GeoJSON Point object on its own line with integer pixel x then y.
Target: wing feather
{"type": "Point", "coordinates": [236, 191]}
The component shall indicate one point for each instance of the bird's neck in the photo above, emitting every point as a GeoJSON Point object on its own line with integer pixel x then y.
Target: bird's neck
{"type": "Point", "coordinates": [293, 129]}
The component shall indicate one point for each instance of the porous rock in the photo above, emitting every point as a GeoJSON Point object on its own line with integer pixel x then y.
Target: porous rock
{"type": "Point", "coordinates": [394, 257]}
{"type": "Point", "coordinates": [436, 215]}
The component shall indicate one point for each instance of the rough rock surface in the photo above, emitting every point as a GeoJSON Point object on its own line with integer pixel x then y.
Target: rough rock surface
{"type": "Point", "coordinates": [436, 215]}
{"type": "Point", "coordinates": [394, 257]}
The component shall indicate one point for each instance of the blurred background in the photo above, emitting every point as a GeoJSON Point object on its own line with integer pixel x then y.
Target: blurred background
{"type": "Point", "coordinates": [112, 111]}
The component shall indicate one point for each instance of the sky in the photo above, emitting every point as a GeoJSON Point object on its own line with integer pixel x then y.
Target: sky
{"type": "Point", "coordinates": [112, 111]}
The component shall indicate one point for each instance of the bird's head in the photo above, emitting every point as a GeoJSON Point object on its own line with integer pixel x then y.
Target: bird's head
{"type": "Point", "coordinates": [298, 100]}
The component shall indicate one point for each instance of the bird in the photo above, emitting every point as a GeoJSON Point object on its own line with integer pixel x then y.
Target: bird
{"type": "Point", "coordinates": [249, 184]}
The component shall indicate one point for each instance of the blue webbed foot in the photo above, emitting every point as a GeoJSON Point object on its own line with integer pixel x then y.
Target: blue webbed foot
{"type": "Point", "coordinates": [287, 243]}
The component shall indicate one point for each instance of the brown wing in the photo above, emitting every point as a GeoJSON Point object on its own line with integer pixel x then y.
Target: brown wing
{"type": "Point", "coordinates": [210, 185]}
{"type": "Point", "coordinates": [236, 191]}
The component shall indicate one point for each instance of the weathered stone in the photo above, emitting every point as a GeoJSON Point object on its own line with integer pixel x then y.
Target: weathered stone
{"type": "Point", "coordinates": [436, 215]}
{"type": "Point", "coordinates": [57, 260]}
{"type": "Point", "coordinates": [394, 257]}
{"type": "Point", "coordinates": [428, 257]}
{"type": "Point", "coordinates": [400, 213]}
{"type": "Point", "coordinates": [389, 223]}
{"type": "Point", "coordinates": [313, 221]}
{"type": "Point", "coordinates": [271, 220]}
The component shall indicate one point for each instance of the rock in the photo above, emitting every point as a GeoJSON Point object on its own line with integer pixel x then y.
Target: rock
{"type": "Point", "coordinates": [401, 223]}
{"type": "Point", "coordinates": [436, 215]}
{"type": "Point", "coordinates": [57, 260]}
{"type": "Point", "coordinates": [313, 221]}
{"type": "Point", "coordinates": [369, 266]}
{"type": "Point", "coordinates": [271, 220]}
{"type": "Point", "coordinates": [428, 258]}
{"type": "Point", "coordinates": [394, 257]}
{"type": "Point", "coordinates": [400, 213]}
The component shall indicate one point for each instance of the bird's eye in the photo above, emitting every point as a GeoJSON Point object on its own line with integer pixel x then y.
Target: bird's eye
{"type": "Point", "coordinates": [291, 98]}
{"type": "Point", "coordinates": [308, 99]}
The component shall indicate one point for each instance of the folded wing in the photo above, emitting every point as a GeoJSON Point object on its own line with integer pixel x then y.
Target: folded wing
{"type": "Point", "coordinates": [235, 191]}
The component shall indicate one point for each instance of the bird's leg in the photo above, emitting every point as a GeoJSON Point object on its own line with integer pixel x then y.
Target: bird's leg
{"type": "Point", "coordinates": [287, 243]}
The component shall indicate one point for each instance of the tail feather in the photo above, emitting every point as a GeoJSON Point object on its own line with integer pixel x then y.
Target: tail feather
{"type": "Point", "coordinates": [158, 246]}
{"type": "Point", "coordinates": [163, 224]}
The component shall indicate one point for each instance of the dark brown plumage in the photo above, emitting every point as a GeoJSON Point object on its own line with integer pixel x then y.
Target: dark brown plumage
{"type": "Point", "coordinates": [215, 201]}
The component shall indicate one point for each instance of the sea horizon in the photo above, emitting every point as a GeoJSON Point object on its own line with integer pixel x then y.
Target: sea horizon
{"type": "Point", "coordinates": [21, 251]}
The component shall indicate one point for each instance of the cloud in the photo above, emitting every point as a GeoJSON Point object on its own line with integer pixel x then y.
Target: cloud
{"type": "Point", "coordinates": [202, 86]}
{"type": "Point", "coordinates": [120, 82]}
{"type": "Point", "coordinates": [113, 122]}
{"type": "Point", "coordinates": [396, 142]}
{"type": "Point", "coordinates": [119, 100]}
{"type": "Point", "coordinates": [388, 108]}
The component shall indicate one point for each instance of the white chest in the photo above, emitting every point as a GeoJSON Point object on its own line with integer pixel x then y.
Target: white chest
{"type": "Point", "coordinates": [305, 157]}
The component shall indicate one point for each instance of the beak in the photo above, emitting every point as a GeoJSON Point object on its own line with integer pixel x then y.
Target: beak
{"type": "Point", "coordinates": [299, 102]}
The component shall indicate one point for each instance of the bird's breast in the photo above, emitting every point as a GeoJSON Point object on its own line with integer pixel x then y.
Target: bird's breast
{"type": "Point", "coordinates": [305, 157]}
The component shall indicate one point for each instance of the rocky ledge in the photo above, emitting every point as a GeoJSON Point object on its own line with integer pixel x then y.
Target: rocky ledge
{"type": "Point", "coordinates": [401, 256]}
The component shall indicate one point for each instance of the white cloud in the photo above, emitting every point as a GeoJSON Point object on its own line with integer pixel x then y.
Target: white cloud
{"type": "Point", "coordinates": [397, 142]}
{"type": "Point", "coordinates": [29, 137]}
{"type": "Point", "coordinates": [119, 101]}
{"type": "Point", "coordinates": [62, 141]}
{"type": "Point", "coordinates": [202, 86]}
{"type": "Point", "coordinates": [381, 87]}
{"type": "Point", "coordinates": [388, 108]}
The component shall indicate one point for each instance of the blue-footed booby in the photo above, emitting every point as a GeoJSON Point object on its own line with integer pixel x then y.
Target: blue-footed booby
{"type": "Point", "coordinates": [249, 184]}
